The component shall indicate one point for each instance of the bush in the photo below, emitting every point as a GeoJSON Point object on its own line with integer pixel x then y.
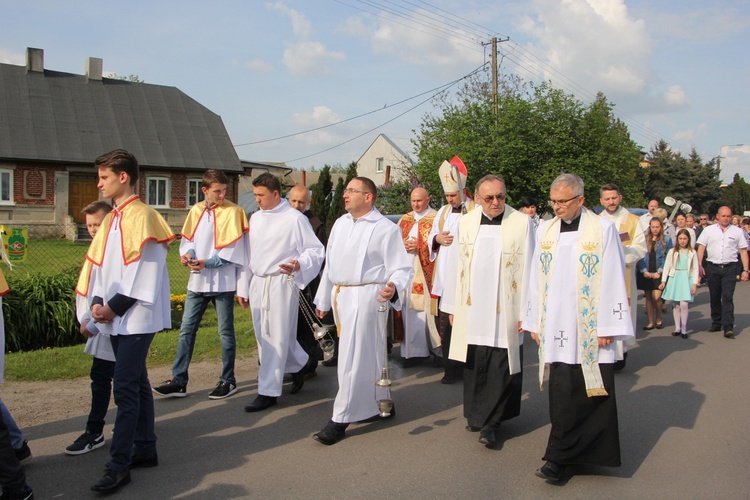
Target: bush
{"type": "Point", "coordinates": [40, 311]}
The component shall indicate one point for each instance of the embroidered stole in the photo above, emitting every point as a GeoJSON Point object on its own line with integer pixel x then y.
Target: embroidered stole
{"type": "Point", "coordinates": [588, 286]}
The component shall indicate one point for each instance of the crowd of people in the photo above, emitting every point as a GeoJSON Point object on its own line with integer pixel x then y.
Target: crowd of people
{"type": "Point", "coordinates": [469, 281]}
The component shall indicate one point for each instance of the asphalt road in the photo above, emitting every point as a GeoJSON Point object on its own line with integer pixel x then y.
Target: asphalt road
{"type": "Point", "coordinates": [684, 407]}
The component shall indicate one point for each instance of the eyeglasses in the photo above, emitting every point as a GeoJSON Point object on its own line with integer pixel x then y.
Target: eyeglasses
{"type": "Point", "coordinates": [498, 197]}
{"type": "Point", "coordinates": [352, 190]}
{"type": "Point", "coordinates": [704, 218]}
{"type": "Point", "coordinates": [560, 203]}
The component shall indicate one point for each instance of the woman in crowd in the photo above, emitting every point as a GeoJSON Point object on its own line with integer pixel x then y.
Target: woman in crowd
{"type": "Point", "coordinates": [648, 277]}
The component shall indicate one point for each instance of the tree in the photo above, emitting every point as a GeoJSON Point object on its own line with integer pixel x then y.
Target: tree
{"type": "Point", "coordinates": [686, 179]}
{"type": "Point", "coordinates": [737, 195]}
{"type": "Point", "coordinates": [321, 196]}
{"type": "Point", "coordinates": [537, 133]}
{"type": "Point", "coordinates": [337, 208]}
{"type": "Point", "coordinates": [129, 78]}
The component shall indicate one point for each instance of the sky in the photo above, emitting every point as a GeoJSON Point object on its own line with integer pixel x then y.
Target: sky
{"type": "Point", "coordinates": [313, 82]}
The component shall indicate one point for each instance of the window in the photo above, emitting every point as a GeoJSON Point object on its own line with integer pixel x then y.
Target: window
{"type": "Point", "coordinates": [194, 193]}
{"type": "Point", "coordinates": [380, 163]}
{"type": "Point", "coordinates": [6, 186]}
{"type": "Point", "coordinates": [157, 191]}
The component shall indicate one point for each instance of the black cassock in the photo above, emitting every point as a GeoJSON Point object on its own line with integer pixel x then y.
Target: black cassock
{"type": "Point", "coordinates": [491, 393]}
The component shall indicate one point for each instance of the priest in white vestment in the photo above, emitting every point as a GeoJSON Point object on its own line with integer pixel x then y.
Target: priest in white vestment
{"type": "Point", "coordinates": [285, 255]}
{"type": "Point", "coordinates": [443, 246]}
{"type": "Point", "coordinates": [576, 307]}
{"type": "Point", "coordinates": [633, 241]}
{"type": "Point", "coordinates": [367, 266]}
{"type": "Point", "coordinates": [495, 244]}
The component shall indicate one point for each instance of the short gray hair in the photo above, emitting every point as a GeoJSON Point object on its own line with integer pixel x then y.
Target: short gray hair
{"type": "Point", "coordinates": [488, 178]}
{"type": "Point", "coordinates": [572, 181]}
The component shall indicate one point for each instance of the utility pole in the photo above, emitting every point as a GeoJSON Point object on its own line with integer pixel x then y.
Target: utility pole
{"type": "Point", "coordinates": [495, 84]}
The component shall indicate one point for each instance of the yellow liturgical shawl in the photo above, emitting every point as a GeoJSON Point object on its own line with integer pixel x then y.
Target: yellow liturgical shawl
{"type": "Point", "coordinates": [139, 223]}
{"type": "Point", "coordinates": [229, 226]}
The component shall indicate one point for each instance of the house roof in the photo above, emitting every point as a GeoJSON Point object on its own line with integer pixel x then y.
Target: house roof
{"type": "Point", "coordinates": [52, 116]}
{"type": "Point", "coordinates": [393, 145]}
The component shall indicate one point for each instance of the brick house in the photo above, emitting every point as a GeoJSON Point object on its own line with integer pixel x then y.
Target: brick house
{"type": "Point", "coordinates": [54, 124]}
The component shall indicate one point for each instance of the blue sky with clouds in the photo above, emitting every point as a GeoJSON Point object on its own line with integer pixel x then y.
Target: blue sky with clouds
{"type": "Point", "coordinates": [676, 69]}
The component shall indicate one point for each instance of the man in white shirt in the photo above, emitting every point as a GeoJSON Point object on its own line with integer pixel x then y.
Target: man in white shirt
{"type": "Point", "coordinates": [723, 243]}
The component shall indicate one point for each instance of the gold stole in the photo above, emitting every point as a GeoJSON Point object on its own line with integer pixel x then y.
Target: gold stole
{"type": "Point", "coordinates": [230, 223]}
{"type": "Point", "coordinates": [516, 226]}
{"type": "Point", "coordinates": [139, 223]}
{"type": "Point", "coordinates": [588, 287]}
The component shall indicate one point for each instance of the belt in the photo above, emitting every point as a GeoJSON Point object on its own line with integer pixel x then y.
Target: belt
{"type": "Point", "coordinates": [728, 264]}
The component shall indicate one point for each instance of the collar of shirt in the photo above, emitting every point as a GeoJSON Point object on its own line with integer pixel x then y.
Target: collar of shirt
{"type": "Point", "coordinates": [569, 227]}
{"type": "Point", "coordinates": [497, 221]}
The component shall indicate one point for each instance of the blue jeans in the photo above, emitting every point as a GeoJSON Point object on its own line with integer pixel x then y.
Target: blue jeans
{"type": "Point", "coordinates": [195, 306]}
{"type": "Point", "coordinates": [134, 424]}
{"type": "Point", "coordinates": [101, 375]}
{"type": "Point", "coordinates": [16, 437]}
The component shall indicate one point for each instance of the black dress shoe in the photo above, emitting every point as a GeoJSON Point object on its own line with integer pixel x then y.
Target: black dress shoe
{"type": "Point", "coordinates": [684, 335]}
{"type": "Point", "coordinates": [714, 328]}
{"type": "Point", "coordinates": [488, 437]}
{"type": "Point", "coordinates": [551, 472]}
{"type": "Point", "coordinates": [330, 435]}
{"type": "Point", "coordinates": [646, 327]}
{"type": "Point", "coordinates": [112, 481]}
{"type": "Point", "coordinates": [659, 326]}
{"type": "Point", "coordinates": [412, 362]}
{"type": "Point", "coordinates": [261, 403]}
{"type": "Point", "coordinates": [729, 334]}
{"type": "Point", "coordinates": [449, 380]}
{"type": "Point", "coordinates": [675, 334]}
{"type": "Point", "coordinates": [298, 381]}
{"type": "Point", "coordinates": [143, 461]}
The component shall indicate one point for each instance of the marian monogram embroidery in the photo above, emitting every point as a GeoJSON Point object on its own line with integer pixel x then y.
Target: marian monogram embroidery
{"type": "Point", "coordinates": [589, 260]}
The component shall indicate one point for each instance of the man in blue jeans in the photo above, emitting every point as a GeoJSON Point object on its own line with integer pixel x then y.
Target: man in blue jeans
{"type": "Point", "coordinates": [127, 272]}
{"type": "Point", "coordinates": [214, 245]}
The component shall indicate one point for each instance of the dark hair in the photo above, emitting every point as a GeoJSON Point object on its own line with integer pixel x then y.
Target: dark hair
{"type": "Point", "coordinates": [119, 161]}
{"type": "Point", "coordinates": [213, 176]}
{"type": "Point", "coordinates": [609, 187]}
{"type": "Point", "coordinates": [529, 201]}
{"type": "Point", "coordinates": [97, 206]}
{"type": "Point", "coordinates": [268, 181]}
{"type": "Point", "coordinates": [369, 186]}
{"type": "Point", "coordinates": [488, 178]}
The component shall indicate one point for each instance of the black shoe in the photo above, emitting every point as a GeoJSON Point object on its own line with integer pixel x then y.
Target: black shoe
{"type": "Point", "coordinates": [676, 333]}
{"type": "Point", "coordinates": [647, 328]}
{"type": "Point", "coordinates": [331, 362]}
{"type": "Point", "coordinates": [729, 334]}
{"type": "Point", "coordinates": [619, 365]}
{"type": "Point", "coordinates": [488, 437]}
{"type": "Point", "coordinates": [112, 481]}
{"type": "Point", "coordinates": [21, 493]}
{"type": "Point", "coordinates": [472, 428]}
{"type": "Point", "coordinates": [412, 362]}
{"type": "Point", "coordinates": [659, 326]}
{"type": "Point", "coordinates": [223, 390]}
{"type": "Point", "coordinates": [171, 389]}
{"type": "Point", "coordinates": [714, 328]}
{"type": "Point", "coordinates": [551, 472]}
{"type": "Point", "coordinates": [261, 403]}
{"type": "Point", "coordinates": [298, 381]}
{"type": "Point", "coordinates": [330, 435]}
{"type": "Point", "coordinates": [684, 335]}
{"type": "Point", "coordinates": [144, 461]}
{"type": "Point", "coordinates": [449, 380]}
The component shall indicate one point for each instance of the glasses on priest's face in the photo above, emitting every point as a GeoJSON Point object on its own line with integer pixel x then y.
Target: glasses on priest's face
{"type": "Point", "coordinates": [562, 203]}
{"type": "Point", "coordinates": [352, 191]}
{"type": "Point", "coordinates": [492, 197]}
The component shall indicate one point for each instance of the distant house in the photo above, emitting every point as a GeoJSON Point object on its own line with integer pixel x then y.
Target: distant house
{"type": "Point", "coordinates": [383, 156]}
{"type": "Point", "coordinates": [54, 124]}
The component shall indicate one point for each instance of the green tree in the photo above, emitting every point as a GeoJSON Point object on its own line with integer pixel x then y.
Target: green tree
{"type": "Point", "coordinates": [337, 207]}
{"type": "Point", "coordinates": [321, 196]}
{"type": "Point", "coordinates": [537, 133]}
{"type": "Point", "coordinates": [737, 195]}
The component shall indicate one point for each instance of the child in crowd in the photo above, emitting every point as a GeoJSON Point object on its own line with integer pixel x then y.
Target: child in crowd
{"type": "Point", "coordinates": [680, 280]}
{"type": "Point", "coordinates": [103, 365]}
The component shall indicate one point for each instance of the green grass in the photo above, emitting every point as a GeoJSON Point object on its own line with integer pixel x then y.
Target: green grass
{"type": "Point", "coordinates": [71, 362]}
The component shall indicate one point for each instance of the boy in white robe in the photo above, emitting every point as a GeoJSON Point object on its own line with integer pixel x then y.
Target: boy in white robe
{"type": "Point", "coordinates": [576, 308]}
{"type": "Point", "coordinates": [285, 256]}
{"type": "Point", "coordinates": [100, 347]}
{"type": "Point", "coordinates": [130, 288]}
{"type": "Point", "coordinates": [367, 264]}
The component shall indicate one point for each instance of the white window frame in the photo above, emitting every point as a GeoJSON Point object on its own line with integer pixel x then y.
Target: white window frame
{"type": "Point", "coordinates": [198, 181]}
{"type": "Point", "coordinates": [9, 173]}
{"type": "Point", "coordinates": [167, 191]}
{"type": "Point", "coordinates": [380, 165]}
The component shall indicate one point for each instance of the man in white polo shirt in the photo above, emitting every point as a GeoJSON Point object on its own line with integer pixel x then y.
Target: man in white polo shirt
{"type": "Point", "coordinates": [723, 242]}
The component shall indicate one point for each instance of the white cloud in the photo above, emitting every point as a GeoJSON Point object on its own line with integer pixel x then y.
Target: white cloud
{"type": "Point", "coordinates": [258, 65]}
{"type": "Point", "coordinates": [301, 27]}
{"type": "Point", "coordinates": [318, 117]}
{"type": "Point", "coordinates": [310, 58]}
{"type": "Point", "coordinates": [595, 43]}
{"type": "Point", "coordinates": [675, 97]}
{"type": "Point", "coordinates": [10, 57]}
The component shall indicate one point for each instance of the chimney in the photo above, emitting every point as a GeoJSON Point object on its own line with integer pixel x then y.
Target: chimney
{"type": "Point", "coordinates": [304, 178]}
{"type": "Point", "coordinates": [94, 68]}
{"type": "Point", "coordinates": [35, 60]}
{"type": "Point", "coordinates": [387, 174]}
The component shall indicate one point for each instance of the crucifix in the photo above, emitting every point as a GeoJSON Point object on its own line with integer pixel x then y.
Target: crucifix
{"type": "Point", "coordinates": [619, 311]}
{"type": "Point", "coordinates": [562, 338]}
{"type": "Point", "coordinates": [528, 309]}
